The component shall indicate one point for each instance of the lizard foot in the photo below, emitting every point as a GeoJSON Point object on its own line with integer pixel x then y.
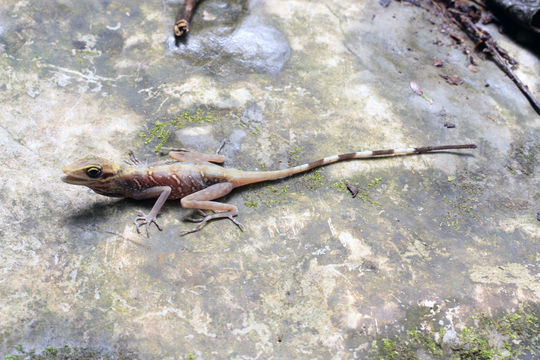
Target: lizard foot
{"type": "Point", "coordinates": [229, 215]}
{"type": "Point", "coordinates": [146, 220]}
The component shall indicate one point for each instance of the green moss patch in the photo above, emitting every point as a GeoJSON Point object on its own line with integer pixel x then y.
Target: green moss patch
{"type": "Point", "coordinates": [68, 353]}
{"type": "Point", "coordinates": [364, 190]}
{"type": "Point", "coordinates": [162, 130]}
{"type": "Point", "coordinates": [504, 336]}
{"type": "Point", "coordinates": [267, 196]}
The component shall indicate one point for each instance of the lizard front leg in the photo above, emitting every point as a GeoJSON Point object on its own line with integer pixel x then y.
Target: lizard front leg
{"type": "Point", "coordinates": [162, 193]}
{"type": "Point", "coordinates": [202, 200]}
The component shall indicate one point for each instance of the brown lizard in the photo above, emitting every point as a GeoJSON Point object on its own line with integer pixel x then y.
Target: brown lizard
{"type": "Point", "coordinates": [195, 179]}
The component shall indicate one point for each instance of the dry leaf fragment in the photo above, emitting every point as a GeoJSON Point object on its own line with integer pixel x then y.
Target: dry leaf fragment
{"type": "Point", "coordinates": [453, 79]}
{"type": "Point", "coordinates": [353, 189]}
{"type": "Point", "coordinates": [449, 125]}
{"type": "Point", "coordinates": [419, 92]}
{"type": "Point", "coordinates": [473, 68]}
{"type": "Point", "coordinates": [437, 63]}
{"type": "Point", "coordinates": [457, 38]}
{"type": "Point", "coordinates": [416, 88]}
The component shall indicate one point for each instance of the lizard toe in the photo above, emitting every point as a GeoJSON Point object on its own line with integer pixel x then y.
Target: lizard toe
{"type": "Point", "coordinates": [237, 223]}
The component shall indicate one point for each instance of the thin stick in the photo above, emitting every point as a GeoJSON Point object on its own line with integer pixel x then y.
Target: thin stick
{"type": "Point", "coordinates": [492, 48]}
{"type": "Point", "coordinates": [482, 37]}
{"type": "Point", "coordinates": [183, 19]}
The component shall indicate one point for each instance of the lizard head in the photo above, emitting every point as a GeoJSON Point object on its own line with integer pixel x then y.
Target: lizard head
{"type": "Point", "coordinates": [91, 171]}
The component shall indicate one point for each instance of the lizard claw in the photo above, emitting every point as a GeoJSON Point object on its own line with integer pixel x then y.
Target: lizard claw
{"type": "Point", "coordinates": [236, 223]}
{"type": "Point", "coordinates": [145, 220]}
{"type": "Point", "coordinates": [195, 229]}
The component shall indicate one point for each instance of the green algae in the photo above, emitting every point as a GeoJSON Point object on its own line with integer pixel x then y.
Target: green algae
{"type": "Point", "coordinates": [67, 353]}
{"type": "Point", "coordinates": [294, 155]}
{"type": "Point", "coordinates": [162, 130]}
{"type": "Point", "coordinates": [513, 335]}
{"type": "Point", "coordinates": [340, 186]}
{"type": "Point", "coordinates": [252, 128]}
{"type": "Point", "coordinates": [465, 201]}
{"type": "Point", "coordinates": [267, 196]}
{"type": "Point", "coordinates": [364, 191]}
{"type": "Point", "coordinates": [523, 158]}
{"type": "Point", "coordinates": [313, 179]}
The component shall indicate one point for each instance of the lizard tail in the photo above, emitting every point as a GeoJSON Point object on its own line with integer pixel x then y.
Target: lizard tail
{"type": "Point", "coordinates": [250, 177]}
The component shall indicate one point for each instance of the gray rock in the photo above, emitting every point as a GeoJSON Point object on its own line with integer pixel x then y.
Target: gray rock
{"type": "Point", "coordinates": [258, 46]}
{"type": "Point", "coordinates": [315, 274]}
{"type": "Point", "coordinates": [251, 45]}
{"type": "Point", "coordinates": [451, 339]}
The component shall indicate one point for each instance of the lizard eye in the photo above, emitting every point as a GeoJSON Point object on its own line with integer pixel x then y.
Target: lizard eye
{"type": "Point", "coordinates": [93, 172]}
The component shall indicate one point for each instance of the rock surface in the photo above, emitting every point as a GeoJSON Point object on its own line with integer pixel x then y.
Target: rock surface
{"type": "Point", "coordinates": [317, 274]}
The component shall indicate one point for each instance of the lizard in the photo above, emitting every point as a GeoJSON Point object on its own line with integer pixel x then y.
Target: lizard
{"type": "Point", "coordinates": [196, 179]}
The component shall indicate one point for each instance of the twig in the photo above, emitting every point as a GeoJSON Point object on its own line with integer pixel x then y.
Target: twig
{"type": "Point", "coordinates": [500, 56]}
{"type": "Point", "coordinates": [504, 61]}
{"type": "Point", "coordinates": [183, 19]}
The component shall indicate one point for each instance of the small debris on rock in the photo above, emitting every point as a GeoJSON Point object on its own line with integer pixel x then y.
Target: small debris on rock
{"type": "Point", "coordinates": [457, 38]}
{"type": "Point", "coordinates": [353, 189]}
{"type": "Point", "coordinates": [473, 68]}
{"type": "Point", "coordinates": [449, 125]}
{"type": "Point", "coordinates": [489, 18]}
{"type": "Point", "coordinates": [416, 88]}
{"type": "Point", "coordinates": [437, 63]}
{"type": "Point", "coordinates": [419, 92]}
{"type": "Point", "coordinates": [466, 16]}
{"type": "Point", "coordinates": [79, 45]}
{"type": "Point", "coordinates": [453, 79]}
{"type": "Point", "coordinates": [385, 3]}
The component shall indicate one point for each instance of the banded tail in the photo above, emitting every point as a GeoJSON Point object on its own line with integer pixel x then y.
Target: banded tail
{"type": "Point", "coordinates": [250, 177]}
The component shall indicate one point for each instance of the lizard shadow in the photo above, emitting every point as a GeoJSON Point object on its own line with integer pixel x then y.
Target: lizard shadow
{"type": "Point", "coordinates": [100, 211]}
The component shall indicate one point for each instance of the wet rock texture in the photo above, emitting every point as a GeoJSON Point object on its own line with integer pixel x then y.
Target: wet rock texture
{"type": "Point", "coordinates": [317, 274]}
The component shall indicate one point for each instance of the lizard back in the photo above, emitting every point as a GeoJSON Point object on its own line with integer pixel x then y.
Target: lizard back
{"type": "Point", "coordinates": [183, 178]}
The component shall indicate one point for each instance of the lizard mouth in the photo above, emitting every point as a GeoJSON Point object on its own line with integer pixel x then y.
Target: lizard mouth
{"type": "Point", "coordinates": [71, 180]}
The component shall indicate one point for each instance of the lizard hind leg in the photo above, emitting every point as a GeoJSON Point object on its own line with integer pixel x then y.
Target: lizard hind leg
{"type": "Point", "coordinates": [202, 200]}
{"type": "Point", "coordinates": [182, 155]}
{"type": "Point", "coordinates": [133, 159]}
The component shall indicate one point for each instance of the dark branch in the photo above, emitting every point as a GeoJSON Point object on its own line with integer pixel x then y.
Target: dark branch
{"type": "Point", "coordinates": [183, 19]}
{"type": "Point", "coordinates": [465, 15]}
{"type": "Point", "coordinates": [499, 56]}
